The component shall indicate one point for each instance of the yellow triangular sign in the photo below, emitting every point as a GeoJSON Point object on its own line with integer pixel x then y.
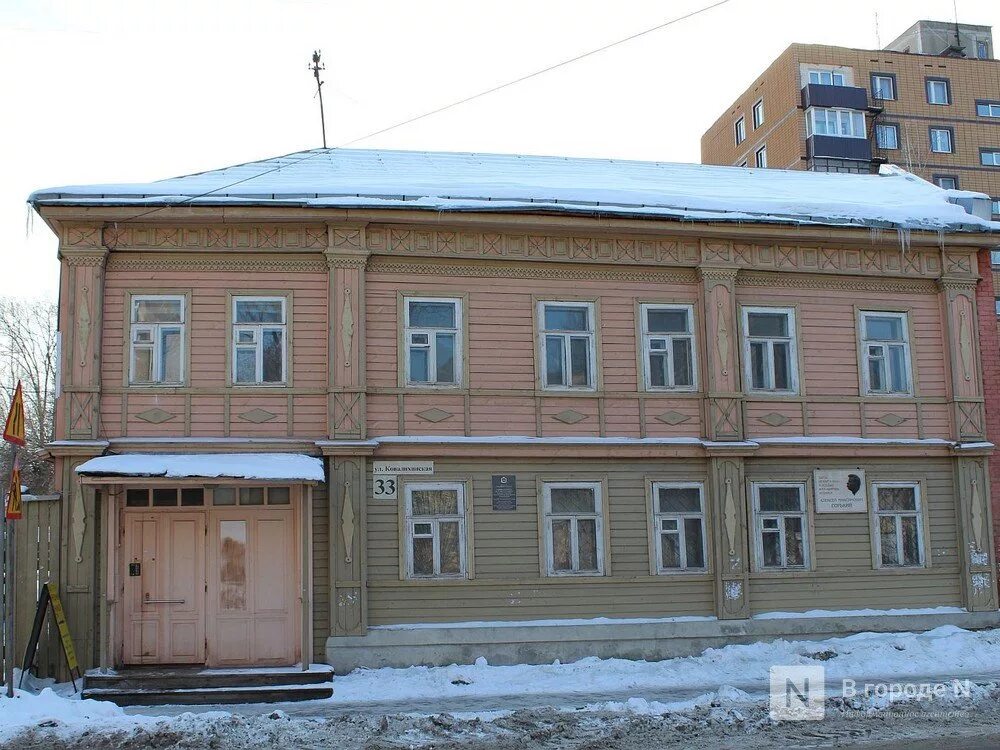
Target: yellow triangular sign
{"type": "Point", "coordinates": [13, 431]}
{"type": "Point", "coordinates": [14, 496]}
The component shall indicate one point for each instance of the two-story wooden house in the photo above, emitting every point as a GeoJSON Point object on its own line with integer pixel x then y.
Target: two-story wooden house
{"type": "Point", "coordinates": [369, 407]}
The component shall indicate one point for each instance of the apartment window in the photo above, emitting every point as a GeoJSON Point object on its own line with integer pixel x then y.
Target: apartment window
{"type": "Point", "coordinates": [995, 206]}
{"type": "Point", "coordinates": [679, 524]}
{"type": "Point", "coordinates": [668, 346]}
{"type": "Point", "coordinates": [941, 140]}
{"type": "Point", "coordinates": [990, 157]}
{"type": "Point", "coordinates": [826, 77]}
{"type": "Point", "coordinates": [432, 332]}
{"type": "Point", "coordinates": [758, 113]}
{"type": "Point", "coordinates": [842, 123]}
{"type": "Point", "coordinates": [567, 343]}
{"type": "Point", "coordinates": [946, 182]}
{"type": "Point", "coordinates": [887, 136]}
{"type": "Point", "coordinates": [995, 257]}
{"type": "Point", "coordinates": [938, 91]}
{"type": "Point", "coordinates": [982, 51]}
{"type": "Point", "coordinates": [740, 131]}
{"type": "Point", "coordinates": [760, 157]}
{"type": "Point", "coordinates": [573, 528]}
{"type": "Point", "coordinates": [883, 86]}
{"type": "Point", "coordinates": [435, 530]}
{"type": "Point", "coordinates": [743, 163]}
{"type": "Point", "coordinates": [996, 305]}
{"type": "Point", "coordinates": [769, 355]}
{"type": "Point", "coordinates": [781, 525]}
{"type": "Point", "coordinates": [157, 340]}
{"type": "Point", "coordinates": [899, 525]}
{"type": "Point", "coordinates": [988, 109]}
{"type": "Point", "coordinates": [886, 346]}
{"type": "Point", "coordinates": [259, 340]}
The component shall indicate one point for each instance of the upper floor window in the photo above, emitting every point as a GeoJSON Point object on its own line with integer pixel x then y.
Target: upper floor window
{"type": "Point", "coordinates": [995, 206]}
{"type": "Point", "coordinates": [887, 136]}
{"type": "Point", "coordinates": [946, 182]}
{"type": "Point", "coordinates": [843, 123]}
{"type": "Point", "coordinates": [996, 305]}
{"type": "Point", "coordinates": [883, 86]}
{"type": "Point", "coordinates": [567, 345]}
{"type": "Point", "coordinates": [432, 332]}
{"type": "Point", "coordinates": [757, 113]}
{"type": "Point", "coordinates": [995, 254]}
{"type": "Point", "coordinates": [760, 157]}
{"type": "Point", "coordinates": [769, 353]}
{"type": "Point", "coordinates": [826, 77]}
{"type": "Point", "coordinates": [740, 131]}
{"type": "Point", "coordinates": [938, 91]}
{"type": "Point", "coordinates": [941, 141]}
{"type": "Point", "coordinates": [781, 526]}
{"type": "Point", "coordinates": [157, 340]}
{"type": "Point", "coordinates": [886, 345]}
{"type": "Point", "coordinates": [899, 529]}
{"type": "Point", "coordinates": [990, 157]}
{"type": "Point", "coordinates": [988, 109]}
{"type": "Point", "coordinates": [982, 50]}
{"type": "Point", "coordinates": [435, 530]}
{"type": "Point", "coordinates": [259, 340]}
{"type": "Point", "coordinates": [574, 528]}
{"type": "Point", "coordinates": [679, 526]}
{"type": "Point", "coordinates": [668, 346]}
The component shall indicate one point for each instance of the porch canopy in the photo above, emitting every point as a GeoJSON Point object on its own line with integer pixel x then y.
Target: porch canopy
{"type": "Point", "coordinates": [291, 467]}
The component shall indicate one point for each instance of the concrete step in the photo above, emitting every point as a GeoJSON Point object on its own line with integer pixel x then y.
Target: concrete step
{"type": "Point", "coordinates": [193, 678]}
{"type": "Point", "coordinates": [150, 696]}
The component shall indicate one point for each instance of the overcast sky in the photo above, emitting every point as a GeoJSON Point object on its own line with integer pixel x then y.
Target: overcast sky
{"type": "Point", "coordinates": [127, 90]}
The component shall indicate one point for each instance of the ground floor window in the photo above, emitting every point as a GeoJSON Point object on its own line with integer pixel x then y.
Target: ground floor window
{"type": "Point", "coordinates": [898, 525]}
{"type": "Point", "coordinates": [679, 526]}
{"type": "Point", "coordinates": [574, 529]}
{"type": "Point", "coordinates": [435, 530]}
{"type": "Point", "coordinates": [781, 526]}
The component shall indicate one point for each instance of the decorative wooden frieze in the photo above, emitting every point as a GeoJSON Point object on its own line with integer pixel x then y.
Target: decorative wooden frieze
{"type": "Point", "coordinates": [673, 417]}
{"type": "Point", "coordinates": [532, 271]}
{"type": "Point", "coordinates": [838, 283]}
{"type": "Point", "coordinates": [726, 418]}
{"type": "Point", "coordinates": [891, 420]}
{"type": "Point", "coordinates": [237, 263]}
{"type": "Point", "coordinates": [347, 327]}
{"type": "Point", "coordinates": [348, 414]}
{"type": "Point", "coordinates": [774, 419]}
{"type": "Point", "coordinates": [569, 416]}
{"type": "Point", "coordinates": [434, 415]}
{"type": "Point", "coordinates": [155, 416]}
{"type": "Point", "coordinates": [257, 416]}
{"type": "Point", "coordinates": [223, 236]}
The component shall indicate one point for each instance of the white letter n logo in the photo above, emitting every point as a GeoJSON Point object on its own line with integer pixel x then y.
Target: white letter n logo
{"type": "Point", "coordinates": [797, 693]}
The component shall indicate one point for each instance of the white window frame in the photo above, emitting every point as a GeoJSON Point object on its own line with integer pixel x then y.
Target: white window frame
{"type": "Point", "coordinates": [878, 137]}
{"type": "Point", "coordinates": [549, 517]}
{"type": "Point", "coordinates": [994, 157]}
{"type": "Point", "coordinates": [884, 345]}
{"type": "Point", "coordinates": [929, 84]}
{"type": "Point", "coordinates": [878, 90]}
{"type": "Point", "coordinates": [840, 115]}
{"type": "Point", "coordinates": [995, 206]}
{"type": "Point", "coordinates": [155, 331]}
{"type": "Point", "coordinates": [758, 525]}
{"type": "Point", "coordinates": [760, 157]}
{"type": "Point", "coordinates": [409, 331]}
{"type": "Point", "coordinates": [591, 336]}
{"type": "Point", "coordinates": [793, 352]}
{"type": "Point", "coordinates": [658, 517]}
{"type": "Point", "coordinates": [258, 343]}
{"type": "Point", "coordinates": [877, 513]}
{"type": "Point", "coordinates": [939, 181]}
{"type": "Point", "coordinates": [409, 519]}
{"type": "Point", "coordinates": [992, 109]}
{"type": "Point", "coordinates": [644, 310]}
{"type": "Point", "coordinates": [935, 135]}
{"type": "Point", "coordinates": [740, 130]}
{"type": "Point", "coordinates": [995, 257]}
{"type": "Point", "coordinates": [833, 75]}
{"type": "Point", "coordinates": [757, 113]}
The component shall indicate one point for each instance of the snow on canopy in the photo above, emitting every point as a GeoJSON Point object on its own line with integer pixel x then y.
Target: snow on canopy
{"type": "Point", "coordinates": [440, 181]}
{"type": "Point", "coordinates": [277, 466]}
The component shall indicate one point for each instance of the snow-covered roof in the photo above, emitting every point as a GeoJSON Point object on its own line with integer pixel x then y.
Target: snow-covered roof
{"type": "Point", "coordinates": [438, 181]}
{"type": "Point", "coordinates": [263, 466]}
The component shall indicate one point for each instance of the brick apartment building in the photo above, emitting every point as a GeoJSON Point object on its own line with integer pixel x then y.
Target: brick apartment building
{"type": "Point", "coordinates": [929, 102]}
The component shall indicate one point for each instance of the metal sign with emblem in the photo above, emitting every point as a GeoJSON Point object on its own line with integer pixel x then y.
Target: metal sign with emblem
{"type": "Point", "coordinates": [504, 492]}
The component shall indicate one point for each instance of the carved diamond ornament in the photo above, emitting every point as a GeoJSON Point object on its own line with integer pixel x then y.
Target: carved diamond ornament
{"type": "Point", "coordinates": [434, 415]}
{"type": "Point", "coordinates": [569, 416]}
{"type": "Point", "coordinates": [774, 419]}
{"type": "Point", "coordinates": [673, 417]}
{"type": "Point", "coordinates": [257, 416]}
{"type": "Point", "coordinates": [891, 420]}
{"type": "Point", "coordinates": [155, 416]}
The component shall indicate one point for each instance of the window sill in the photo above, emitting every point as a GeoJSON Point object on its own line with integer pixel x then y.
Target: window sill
{"type": "Point", "coordinates": [259, 385]}
{"type": "Point", "coordinates": [425, 580]}
{"type": "Point", "coordinates": [570, 574]}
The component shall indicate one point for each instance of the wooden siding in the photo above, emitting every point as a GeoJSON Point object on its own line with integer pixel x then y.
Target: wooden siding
{"type": "Point", "coordinates": [320, 570]}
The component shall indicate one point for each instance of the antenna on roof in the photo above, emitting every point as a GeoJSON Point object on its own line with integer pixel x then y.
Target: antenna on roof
{"type": "Point", "coordinates": [958, 38]}
{"type": "Point", "coordinates": [878, 38]}
{"type": "Point", "coordinates": [316, 68]}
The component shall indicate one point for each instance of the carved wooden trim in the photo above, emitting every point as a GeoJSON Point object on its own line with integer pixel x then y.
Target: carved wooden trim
{"type": "Point", "coordinates": [223, 236]}
{"type": "Point", "coordinates": [536, 271]}
{"type": "Point", "coordinates": [845, 283]}
{"type": "Point", "coordinates": [240, 263]}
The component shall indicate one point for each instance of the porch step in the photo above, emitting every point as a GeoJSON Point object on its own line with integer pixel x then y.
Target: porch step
{"type": "Point", "coordinates": [184, 686]}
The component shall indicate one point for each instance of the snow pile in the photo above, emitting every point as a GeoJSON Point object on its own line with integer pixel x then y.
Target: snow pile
{"type": "Point", "coordinates": [439, 181]}
{"type": "Point", "coordinates": [264, 466]}
{"type": "Point", "coordinates": [52, 709]}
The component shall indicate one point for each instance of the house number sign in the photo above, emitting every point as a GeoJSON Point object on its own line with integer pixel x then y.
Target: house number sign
{"type": "Point", "coordinates": [385, 483]}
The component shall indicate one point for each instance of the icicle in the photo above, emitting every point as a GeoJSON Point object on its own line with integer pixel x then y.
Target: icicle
{"type": "Point", "coordinates": [29, 222]}
{"type": "Point", "coordinates": [904, 239]}
{"type": "Point", "coordinates": [941, 237]}
{"type": "Point", "coordinates": [875, 234]}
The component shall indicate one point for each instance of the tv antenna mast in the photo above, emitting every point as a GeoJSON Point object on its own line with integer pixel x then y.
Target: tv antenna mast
{"type": "Point", "coordinates": [316, 68]}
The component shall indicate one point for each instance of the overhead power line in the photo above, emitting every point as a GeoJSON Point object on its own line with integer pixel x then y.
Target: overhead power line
{"type": "Point", "coordinates": [446, 107]}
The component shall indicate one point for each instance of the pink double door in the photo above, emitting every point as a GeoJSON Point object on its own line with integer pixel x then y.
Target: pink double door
{"type": "Point", "coordinates": [217, 586]}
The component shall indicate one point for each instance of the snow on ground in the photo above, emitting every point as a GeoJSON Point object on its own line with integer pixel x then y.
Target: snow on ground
{"type": "Point", "coordinates": [946, 651]}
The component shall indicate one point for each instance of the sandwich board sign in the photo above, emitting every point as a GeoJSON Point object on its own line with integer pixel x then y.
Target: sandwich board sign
{"type": "Point", "coordinates": [49, 597]}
